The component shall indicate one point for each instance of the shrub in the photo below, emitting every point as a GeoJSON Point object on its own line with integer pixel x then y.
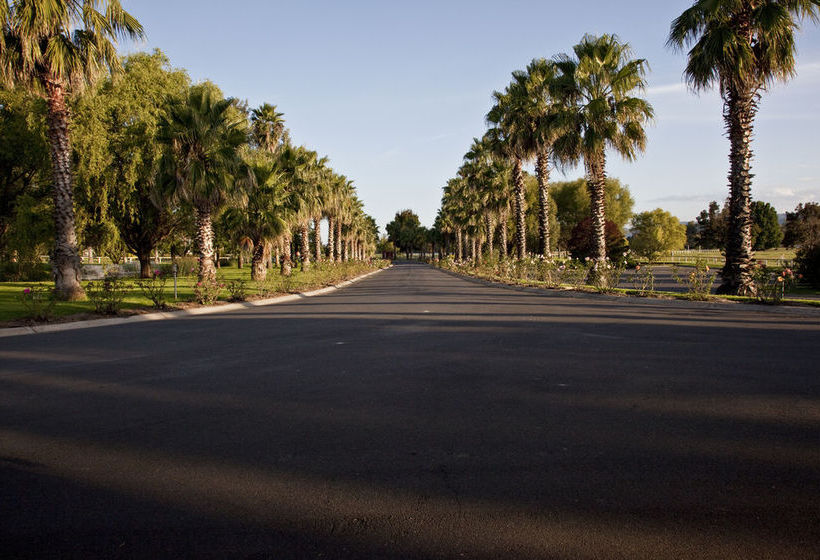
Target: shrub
{"type": "Point", "coordinates": [237, 290]}
{"type": "Point", "coordinates": [107, 294]}
{"type": "Point", "coordinates": [644, 278]}
{"type": "Point", "coordinates": [207, 292]}
{"type": "Point", "coordinates": [38, 302]}
{"type": "Point", "coordinates": [698, 282]}
{"type": "Point", "coordinates": [772, 284]}
{"type": "Point", "coordinates": [154, 288]}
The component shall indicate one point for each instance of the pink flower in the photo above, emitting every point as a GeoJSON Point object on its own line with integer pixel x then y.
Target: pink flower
{"type": "Point", "coordinates": [157, 272]}
{"type": "Point", "coordinates": [26, 290]}
{"type": "Point", "coordinates": [199, 283]}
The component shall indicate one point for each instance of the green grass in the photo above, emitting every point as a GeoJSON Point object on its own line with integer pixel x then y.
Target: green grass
{"type": "Point", "coordinates": [712, 257]}
{"type": "Point", "coordinates": [12, 309]}
{"type": "Point", "coordinates": [791, 300]}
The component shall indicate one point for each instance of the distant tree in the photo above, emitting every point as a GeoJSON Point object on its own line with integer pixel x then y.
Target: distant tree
{"type": "Point", "coordinates": [766, 231]}
{"type": "Point", "coordinates": [581, 244]}
{"type": "Point", "coordinates": [691, 234]}
{"type": "Point", "coordinates": [571, 202]}
{"type": "Point", "coordinates": [803, 226]}
{"type": "Point", "coordinates": [656, 232]}
{"type": "Point", "coordinates": [404, 231]}
{"type": "Point", "coordinates": [712, 227]}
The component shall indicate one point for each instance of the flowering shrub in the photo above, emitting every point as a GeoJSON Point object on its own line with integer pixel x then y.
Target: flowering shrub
{"type": "Point", "coordinates": [38, 302]}
{"type": "Point", "coordinates": [644, 279]}
{"type": "Point", "coordinates": [605, 275]}
{"type": "Point", "coordinates": [154, 288]}
{"type": "Point", "coordinates": [107, 294]}
{"type": "Point", "coordinates": [698, 282]}
{"type": "Point", "coordinates": [207, 292]}
{"type": "Point", "coordinates": [771, 284]}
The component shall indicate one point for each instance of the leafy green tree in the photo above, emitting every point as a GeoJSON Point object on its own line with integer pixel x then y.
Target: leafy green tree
{"type": "Point", "coordinates": [655, 232]}
{"type": "Point", "coordinates": [603, 112]}
{"type": "Point", "coordinates": [24, 162]}
{"type": "Point", "coordinates": [571, 201]}
{"type": "Point", "coordinates": [404, 231]}
{"type": "Point", "coordinates": [52, 47]}
{"type": "Point", "coordinates": [116, 139]}
{"type": "Point", "coordinates": [766, 230]}
{"type": "Point", "coordinates": [201, 136]}
{"type": "Point", "coordinates": [712, 224]}
{"type": "Point", "coordinates": [803, 226]}
{"type": "Point", "coordinates": [742, 46]}
{"type": "Point", "coordinates": [581, 243]}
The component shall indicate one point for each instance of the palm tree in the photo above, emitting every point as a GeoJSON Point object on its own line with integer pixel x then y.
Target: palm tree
{"type": "Point", "coordinates": [269, 206]}
{"type": "Point", "coordinates": [52, 47]}
{"type": "Point", "coordinates": [600, 112]}
{"type": "Point", "coordinates": [743, 47]}
{"type": "Point", "coordinates": [202, 136]}
{"type": "Point", "coordinates": [267, 127]}
{"type": "Point", "coordinates": [543, 110]}
{"type": "Point", "coordinates": [512, 137]}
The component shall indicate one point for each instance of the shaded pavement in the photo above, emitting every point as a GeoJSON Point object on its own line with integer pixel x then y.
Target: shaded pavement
{"type": "Point", "coordinates": [418, 415]}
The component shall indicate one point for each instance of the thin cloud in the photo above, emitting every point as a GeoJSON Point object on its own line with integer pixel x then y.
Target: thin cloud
{"type": "Point", "coordinates": [666, 89]}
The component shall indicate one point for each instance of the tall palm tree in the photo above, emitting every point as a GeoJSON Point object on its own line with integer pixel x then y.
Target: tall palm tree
{"type": "Point", "coordinates": [597, 88]}
{"type": "Point", "coordinates": [53, 47]}
{"type": "Point", "coordinates": [267, 127]}
{"type": "Point", "coordinates": [202, 136]}
{"type": "Point", "coordinates": [742, 46]}
{"type": "Point", "coordinates": [511, 136]}
{"type": "Point", "coordinates": [265, 216]}
{"type": "Point", "coordinates": [543, 109]}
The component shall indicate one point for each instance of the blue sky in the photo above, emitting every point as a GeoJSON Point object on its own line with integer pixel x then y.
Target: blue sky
{"type": "Point", "coordinates": [394, 92]}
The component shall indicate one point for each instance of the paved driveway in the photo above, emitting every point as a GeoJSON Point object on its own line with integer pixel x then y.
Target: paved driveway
{"type": "Point", "coordinates": [418, 415]}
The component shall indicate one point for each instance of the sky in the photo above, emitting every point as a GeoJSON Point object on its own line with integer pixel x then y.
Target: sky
{"type": "Point", "coordinates": [394, 92]}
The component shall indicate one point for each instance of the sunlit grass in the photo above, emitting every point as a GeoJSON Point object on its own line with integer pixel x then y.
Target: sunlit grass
{"type": "Point", "coordinates": [325, 274]}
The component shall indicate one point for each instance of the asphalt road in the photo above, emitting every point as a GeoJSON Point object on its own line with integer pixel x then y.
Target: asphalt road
{"type": "Point", "coordinates": [418, 415]}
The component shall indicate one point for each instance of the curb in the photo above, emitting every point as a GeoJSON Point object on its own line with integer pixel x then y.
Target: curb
{"type": "Point", "coordinates": [163, 315]}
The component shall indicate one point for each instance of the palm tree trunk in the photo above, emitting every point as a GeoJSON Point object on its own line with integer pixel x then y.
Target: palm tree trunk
{"type": "Point", "coordinates": [65, 260]}
{"type": "Point", "coordinates": [740, 109]}
{"type": "Point", "coordinates": [330, 238]}
{"type": "Point", "coordinates": [520, 209]}
{"type": "Point", "coordinates": [459, 245]}
{"type": "Point", "coordinates": [542, 173]}
{"type": "Point", "coordinates": [258, 269]}
{"type": "Point", "coordinates": [596, 185]}
{"type": "Point", "coordinates": [205, 245]}
{"type": "Point", "coordinates": [503, 219]}
{"type": "Point", "coordinates": [488, 219]}
{"type": "Point", "coordinates": [287, 263]}
{"type": "Point", "coordinates": [317, 240]}
{"type": "Point", "coordinates": [304, 244]}
{"type": "Point", "coordinates": [337, 251]}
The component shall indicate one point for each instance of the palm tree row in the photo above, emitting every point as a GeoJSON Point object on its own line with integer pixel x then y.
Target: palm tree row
{"type": "Point", "coordinates": [558, 112]}
{"type": "Point", "coordinates": [219, 161]}
{"type": "Point", "coordinates": [572, 109]}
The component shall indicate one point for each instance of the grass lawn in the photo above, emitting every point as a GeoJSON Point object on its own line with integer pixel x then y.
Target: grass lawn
{"type": "Point", "coordinates": [771, 257]}
{"type": "Point", "coordinates": [12, 308]}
